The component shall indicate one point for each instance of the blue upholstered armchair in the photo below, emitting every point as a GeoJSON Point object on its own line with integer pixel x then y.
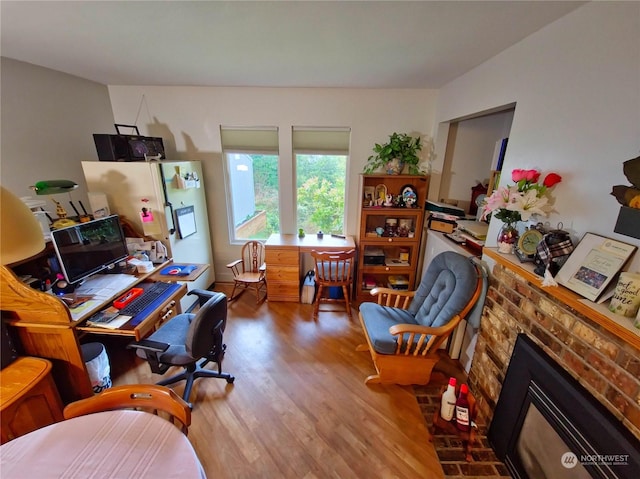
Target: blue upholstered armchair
{"type": "Point", "coordinates": [404, 329]}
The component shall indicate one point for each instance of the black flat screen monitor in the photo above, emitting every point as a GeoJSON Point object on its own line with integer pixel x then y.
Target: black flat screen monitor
{"type": "Point", "coordinates": [87, 248]}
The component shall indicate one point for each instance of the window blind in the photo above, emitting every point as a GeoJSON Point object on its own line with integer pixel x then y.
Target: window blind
{"type": "Point", "coordinates": [249, 139]}
{"type": "Point", "coordinates": [321, 140]}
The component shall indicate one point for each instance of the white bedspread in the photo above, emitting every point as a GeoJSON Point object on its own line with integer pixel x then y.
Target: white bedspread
{"type": "Point", "coordinates": [114, 444]}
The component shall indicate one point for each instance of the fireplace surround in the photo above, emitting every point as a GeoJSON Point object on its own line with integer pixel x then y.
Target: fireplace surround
{"type": "Point", "coordinates": [546, 424]}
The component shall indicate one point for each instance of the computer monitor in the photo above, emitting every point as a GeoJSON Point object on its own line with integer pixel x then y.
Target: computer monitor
{"type": "Point", "coordinates": [87, 248]}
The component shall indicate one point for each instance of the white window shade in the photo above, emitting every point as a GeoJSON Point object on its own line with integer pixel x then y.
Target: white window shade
{"type": "Point", "coordinates": [258, 139]}
{"type": "Point", "coordinates": [321, 140]}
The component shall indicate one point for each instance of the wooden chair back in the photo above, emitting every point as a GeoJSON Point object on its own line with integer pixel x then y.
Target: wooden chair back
{"type": "Point", "coordinates": [146, 397]}
{"type": "Point", "coordinates": [334, 268]}
{"type": "Point", "coordinates": [253, 253]}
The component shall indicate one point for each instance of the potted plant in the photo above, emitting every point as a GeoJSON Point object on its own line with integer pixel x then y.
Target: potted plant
{"type": "Point", "coordinates": [400, 150]}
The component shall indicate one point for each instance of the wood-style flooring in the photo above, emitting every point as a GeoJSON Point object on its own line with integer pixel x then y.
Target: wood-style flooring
{"type": "Point", "coordinates": [299, 407]}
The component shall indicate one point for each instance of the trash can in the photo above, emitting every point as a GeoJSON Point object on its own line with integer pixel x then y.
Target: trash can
{"type": "Point", "coordinates": [97, 363]}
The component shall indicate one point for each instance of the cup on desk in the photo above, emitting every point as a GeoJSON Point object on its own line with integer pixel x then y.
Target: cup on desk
{"type": "Point", "coordinates": [626, 297]}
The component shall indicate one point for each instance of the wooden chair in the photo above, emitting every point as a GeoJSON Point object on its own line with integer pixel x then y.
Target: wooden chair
{"type": "Point", "coordinates": [405, 329]}
{"type": "Point", "coordinates": [333, 269]}
{"type": "Point", "coordinates": [147, 397]}
{"type": "Point", "coordinates": [249, 271]}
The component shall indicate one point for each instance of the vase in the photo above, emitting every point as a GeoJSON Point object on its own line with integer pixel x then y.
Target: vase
{"type": "Point", "coordinates": [508, 238]}
{"type": "Point", "coordinates": [395, 166]}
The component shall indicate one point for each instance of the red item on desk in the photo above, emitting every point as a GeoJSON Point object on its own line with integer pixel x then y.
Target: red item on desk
{"type": "Point", "coordinates": [127, 297]}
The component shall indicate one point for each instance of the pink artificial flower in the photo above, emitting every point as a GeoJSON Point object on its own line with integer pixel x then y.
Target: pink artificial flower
{"type": "Point", "coordinates": [498, 200]}
{"type": "Point", "coordinates": [552, 179]}
{"type": "Point", "coordinates": [530, 176]}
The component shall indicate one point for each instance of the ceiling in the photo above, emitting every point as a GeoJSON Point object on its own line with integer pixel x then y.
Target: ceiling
{"type": "Point", "coordinates": [359, 44]}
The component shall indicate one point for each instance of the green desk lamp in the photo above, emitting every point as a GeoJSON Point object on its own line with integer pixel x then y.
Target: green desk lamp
{"type": "Point", "coordinates": [54, 187]}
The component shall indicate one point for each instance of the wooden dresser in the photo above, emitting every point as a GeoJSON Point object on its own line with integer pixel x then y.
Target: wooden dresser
{"type": "Point", "coordinates": [29, 399]}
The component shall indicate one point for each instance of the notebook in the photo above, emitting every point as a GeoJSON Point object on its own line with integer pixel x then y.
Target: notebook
{"type": "Point", "coordinates": [477, 229]}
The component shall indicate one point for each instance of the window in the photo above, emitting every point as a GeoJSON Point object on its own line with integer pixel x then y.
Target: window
{"type": "Point", "coordinates": [321, 173]}
{"type": "Point", "coordinates": [252, 168]}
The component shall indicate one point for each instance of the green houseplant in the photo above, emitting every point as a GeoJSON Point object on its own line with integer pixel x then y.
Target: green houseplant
{"type": "Point", "coordinates": [400, 150]}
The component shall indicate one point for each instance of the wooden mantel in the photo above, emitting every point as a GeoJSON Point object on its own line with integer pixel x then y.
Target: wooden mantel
{"type": "Point", "coordinates": [615, 324]}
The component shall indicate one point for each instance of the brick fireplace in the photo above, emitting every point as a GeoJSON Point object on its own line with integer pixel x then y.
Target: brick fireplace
{"type": "Point", "coordinates": [606, 363]}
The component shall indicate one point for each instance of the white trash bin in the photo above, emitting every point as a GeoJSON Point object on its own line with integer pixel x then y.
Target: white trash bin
{"type": "Point", "coordinates": [97, 363]}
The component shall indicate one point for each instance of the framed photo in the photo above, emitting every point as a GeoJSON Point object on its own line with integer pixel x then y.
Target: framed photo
{"type": "Point", "coordinates": [369, 196]}
{"type": "Point", "coordinates": [593, 264]}
{"type": "Point", "coordinates": [381, 194]}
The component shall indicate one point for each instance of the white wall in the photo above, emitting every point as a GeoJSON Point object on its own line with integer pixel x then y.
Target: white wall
{"type": "Point", "coordinates": [576, 83]}
{"type": "Point", "coordinates": [189, 119]}
{"type": "Point", "coordinates": [48, 119]}
{"type": "Point", "coordinates": [472, 154]}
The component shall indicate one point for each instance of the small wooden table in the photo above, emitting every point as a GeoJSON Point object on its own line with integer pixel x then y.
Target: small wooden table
{"type": "Point", "coordinates": [29, 399]}
{"type": "Point", "coordinates": [283, 261]}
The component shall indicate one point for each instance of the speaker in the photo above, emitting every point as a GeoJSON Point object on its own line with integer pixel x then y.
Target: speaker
{"type": "Point", "coordinates": [127, 147]}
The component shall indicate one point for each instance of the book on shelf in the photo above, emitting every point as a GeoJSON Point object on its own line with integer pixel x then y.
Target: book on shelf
{"type": "Point", "coordinates": [498, 154]}
{"type": "Point", "coordinates": [398, 282]}
{"type": "Point", "coordinates": [395, 262]}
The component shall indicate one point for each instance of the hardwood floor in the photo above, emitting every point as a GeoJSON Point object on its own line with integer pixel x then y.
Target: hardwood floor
{"type": "Point", "coordinates": [299, 407]}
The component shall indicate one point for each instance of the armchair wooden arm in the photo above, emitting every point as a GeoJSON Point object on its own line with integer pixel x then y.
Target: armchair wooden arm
{"type": "Point", "coordinates": [423, 340]}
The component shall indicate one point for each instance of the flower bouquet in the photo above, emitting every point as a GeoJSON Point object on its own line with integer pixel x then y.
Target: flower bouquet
{"type": "Point", "coordinates": [519, 202]}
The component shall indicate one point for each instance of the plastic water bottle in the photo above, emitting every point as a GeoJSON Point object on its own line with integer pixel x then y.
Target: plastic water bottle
{"type": "Point", "coordinates": [448, 403]}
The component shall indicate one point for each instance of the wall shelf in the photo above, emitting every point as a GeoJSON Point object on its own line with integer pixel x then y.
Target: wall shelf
{"type": "Point", "coordinates": [615, 324]}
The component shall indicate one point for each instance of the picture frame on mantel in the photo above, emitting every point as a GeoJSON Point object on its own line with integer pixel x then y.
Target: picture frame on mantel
{"type": "Point", "coordinates": [593, 265]}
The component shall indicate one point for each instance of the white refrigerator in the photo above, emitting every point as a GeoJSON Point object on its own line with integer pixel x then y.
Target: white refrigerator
{"type": "Point", "coordinates": [164, 200]}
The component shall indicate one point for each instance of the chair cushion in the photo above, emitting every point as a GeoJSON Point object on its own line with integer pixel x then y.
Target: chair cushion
{"type": "Point", "coordinates": [377, 321]}
{"type": "Point", "coordinates": [329, 270]}
{"type": "Point", "coordinates": [445, 289]}
{"type": "Point", "coordinates": [174, 333]}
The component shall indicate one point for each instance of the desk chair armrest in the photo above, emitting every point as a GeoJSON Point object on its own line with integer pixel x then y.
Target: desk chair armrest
{"type": "Point", "coordinates": [152, 350]}
{"type": "Point", "coordinates": [149, 345]}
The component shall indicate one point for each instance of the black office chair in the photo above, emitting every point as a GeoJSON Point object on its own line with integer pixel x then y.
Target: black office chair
{"type": "Point", "coordinates": [187, 338]}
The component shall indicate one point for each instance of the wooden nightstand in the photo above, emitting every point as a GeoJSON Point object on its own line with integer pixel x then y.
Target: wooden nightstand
{"type": "Point", "coordinates": [29, 399]}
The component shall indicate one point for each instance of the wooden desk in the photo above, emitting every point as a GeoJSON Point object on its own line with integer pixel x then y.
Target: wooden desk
{"type": "Point", "coordinates": [102, 445]}
{"type": "Point", "coordinates": [283, 261]}
{"type": "Point", "coordinates": [195, 274]}
{"type": "Point", "coordinates": [47, 329]}
{"type": "Point", "coordinates": [29, 399]}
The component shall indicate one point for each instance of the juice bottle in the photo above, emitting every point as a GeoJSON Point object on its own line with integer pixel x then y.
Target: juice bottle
{"type": "Point", "coordinates": [463, 419]}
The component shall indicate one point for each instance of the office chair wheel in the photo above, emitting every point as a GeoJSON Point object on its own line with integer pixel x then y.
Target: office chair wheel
{"type": "Point", "coordinates": [231, 379]}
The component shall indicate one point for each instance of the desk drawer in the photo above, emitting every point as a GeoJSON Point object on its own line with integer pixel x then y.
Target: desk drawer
{"type": "Point", "coordinates": [283, 273]}
{"type": "Point", "coordinates": [283, 291]}
{"type": "Point", "coordinates": [282, 257]}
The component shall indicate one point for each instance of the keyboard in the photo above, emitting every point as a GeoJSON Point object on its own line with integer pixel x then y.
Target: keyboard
{"type": "Point", "coordinates": [153, 296]}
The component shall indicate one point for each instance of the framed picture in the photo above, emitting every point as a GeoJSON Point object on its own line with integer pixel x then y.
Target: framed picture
{"type": "Point", "coordinates": [594, 263]}
{"type": "Point", "coordinates": [369, 196]}
{"type": "Point", "coordinates": [381, 194]}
